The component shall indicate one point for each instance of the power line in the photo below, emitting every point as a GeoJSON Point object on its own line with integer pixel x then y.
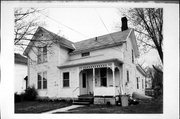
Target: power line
{"type": "Point", "coordinates": [105, 26]}
{"type": "Point", "coordinates": [64, 25]}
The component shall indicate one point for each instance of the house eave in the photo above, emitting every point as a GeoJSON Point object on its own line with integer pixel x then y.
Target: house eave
{"type": "Point", "coordinates": [141, 70]}
{"type": "Point", "coordinates": [93, 62]}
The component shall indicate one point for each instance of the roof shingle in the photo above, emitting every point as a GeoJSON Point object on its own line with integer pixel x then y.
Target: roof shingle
{"type": "Point", "coordinates": [109, 39]}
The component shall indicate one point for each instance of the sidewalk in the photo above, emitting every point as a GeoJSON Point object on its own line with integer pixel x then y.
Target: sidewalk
{"type": "Point", "coordinates": [65, 109]}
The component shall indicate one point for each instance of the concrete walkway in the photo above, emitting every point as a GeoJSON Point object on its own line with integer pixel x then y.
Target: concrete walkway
{"type": "Point", "coordinates": [65, 109]}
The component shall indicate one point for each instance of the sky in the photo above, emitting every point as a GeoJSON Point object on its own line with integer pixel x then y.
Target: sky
{"type": "Point", "coordinates": [78, 24]}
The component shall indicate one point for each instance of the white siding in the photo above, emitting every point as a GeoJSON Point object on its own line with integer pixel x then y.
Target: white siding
{"type": "Point", "coordinates": [115, 52]}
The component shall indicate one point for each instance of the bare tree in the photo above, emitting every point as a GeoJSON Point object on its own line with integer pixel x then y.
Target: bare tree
{"type": "Point", "coordinates": [26, 22]}
{"type": "Point", "coordinates": [148, 24]}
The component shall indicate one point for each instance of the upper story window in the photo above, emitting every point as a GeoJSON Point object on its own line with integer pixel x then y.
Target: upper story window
{"type": "Point", "coordinates": [132, 56]}
{"type": "Point", "coordinates": [85, 54]}
{"type": "Point", "coordinates": [42, 54]}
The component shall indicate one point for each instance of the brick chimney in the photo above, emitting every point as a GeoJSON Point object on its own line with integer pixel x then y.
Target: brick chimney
{"type": "Point", "coordinates": [124, 24]}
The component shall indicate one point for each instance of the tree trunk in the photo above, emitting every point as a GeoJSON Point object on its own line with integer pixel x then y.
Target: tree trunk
{"type": "Point", "coordinates": [160, 52]}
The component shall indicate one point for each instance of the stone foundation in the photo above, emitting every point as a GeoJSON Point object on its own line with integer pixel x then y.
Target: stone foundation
{"type": "Point", "coordinates": [104, 100]}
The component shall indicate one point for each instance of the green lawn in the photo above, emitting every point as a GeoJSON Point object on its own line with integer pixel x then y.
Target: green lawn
{"type": "Point", "coordinates": [146, 107]}
{"type": "Point", "coordinates": [155, 107]}
{"type": "Point", "coordinates": [37, 106]}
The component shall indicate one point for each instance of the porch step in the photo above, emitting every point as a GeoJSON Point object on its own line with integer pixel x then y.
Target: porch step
{"type": "Point", "coordinates": [84, 100]}
{"type": "Point", "coordinates": [81, 103]}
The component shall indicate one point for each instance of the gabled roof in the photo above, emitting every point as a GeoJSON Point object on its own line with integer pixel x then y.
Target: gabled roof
{"type": "Point", "coordinates": [60, 40]}
{"type": "Point", "coordinates": [103, 41]}
{"type": "Point", "coordinates": [19, 59]}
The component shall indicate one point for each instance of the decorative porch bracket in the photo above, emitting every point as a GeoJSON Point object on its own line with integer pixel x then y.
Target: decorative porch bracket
{"type": "Point", "coordinates": [96, 66]}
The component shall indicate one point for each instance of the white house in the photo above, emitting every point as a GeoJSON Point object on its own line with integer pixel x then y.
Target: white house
{"type": "Point", "coordinates": [20, 73]}
{"type": "Point", "coordinates": [100, 66]}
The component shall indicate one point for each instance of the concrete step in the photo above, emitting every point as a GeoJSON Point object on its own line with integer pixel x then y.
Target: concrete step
{"type": "Point", "coordinates": [81, 103]}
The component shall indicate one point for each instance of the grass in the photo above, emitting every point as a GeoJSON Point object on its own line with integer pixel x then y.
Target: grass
{"type": "Point", "coordinates": [152, 107]}
{"type": "Point", "coordinates": [144, 107]}
{"type": "Point", "coordinates": [38, 107]}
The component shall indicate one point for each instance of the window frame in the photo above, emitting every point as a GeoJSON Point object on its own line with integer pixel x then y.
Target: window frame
{"type": "Point", "coordinates": [137, 79]}
{"type": "Point", "coordinates": [132, 55]}
{"type": "Point", "coordinates": [42, 54]}
{"type": "Point", "coordinates": [85, 54]}
{"type": "Point", "coordinates": [39, 80]}
{"type": "Point", "coordinates": [127, 73]}
{"type": "Point", "coordinates": [64, 79]}
{"type": "Point", "coordinates": [43, 79]}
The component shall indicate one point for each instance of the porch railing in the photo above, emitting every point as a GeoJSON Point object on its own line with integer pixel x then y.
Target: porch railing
{"type": "Point", "coordinates": [74, 92]}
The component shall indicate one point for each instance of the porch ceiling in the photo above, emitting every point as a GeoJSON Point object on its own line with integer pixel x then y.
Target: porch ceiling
{"type": "Point", "coordinates": [88, 61]}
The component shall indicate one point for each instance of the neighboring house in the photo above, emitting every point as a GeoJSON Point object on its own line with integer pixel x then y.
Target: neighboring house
{"type": "Point", "coordinates": [140, 79]}
{"type": "Point", "coordinates": [101, 66]}
{"type": "Point", "coordinates": [20, 73]}
{"type": "Point", "coordinates": [148, 83]}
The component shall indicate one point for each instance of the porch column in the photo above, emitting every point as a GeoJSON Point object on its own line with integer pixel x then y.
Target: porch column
{"type": "Point", "coordinates": [123, 78]}
{"type": "Point", "coordinates": [114, 83]}
{"type": "Point", "coordinates": [93, 79]}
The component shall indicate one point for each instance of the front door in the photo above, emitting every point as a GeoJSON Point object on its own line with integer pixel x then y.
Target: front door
{"type": "Point", "coordinates": [84, 83]}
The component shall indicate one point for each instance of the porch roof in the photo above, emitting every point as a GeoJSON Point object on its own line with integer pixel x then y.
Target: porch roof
{"type": "Point", "coordinates": [88, 61]}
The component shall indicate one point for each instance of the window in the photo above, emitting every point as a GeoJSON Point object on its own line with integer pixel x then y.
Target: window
{"type": "Point", "coordinates": [127, 76]}
{"type": "Point", "coordinates": [85, 54]}
{"type": "Point", "coordinates": [42, 54]}
{"type": "Point", "coordinates": [39, 80]}
{"type": "Point", "coordinates": [66, 79]}
{"type": "Point", "coordinates": [84, 80]}
{"type": "Point", "coordinates": [132, 56]}
{"type": "Point", "coordinates": [137, 82]}
{"type": "Point", "coordinates": [103, 75]}
{"type": "Point", "coordinates": [142, 84]}
{"type": "Point", "coordinates": [39, 55]}
{"type": "Point", "coordinates": [42, 80]}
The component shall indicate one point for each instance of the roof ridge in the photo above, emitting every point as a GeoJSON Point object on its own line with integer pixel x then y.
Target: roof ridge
{"type": "Point", "coordinates": [103, 35]}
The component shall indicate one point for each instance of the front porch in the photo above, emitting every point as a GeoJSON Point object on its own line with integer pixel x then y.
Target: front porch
{"type": "Point", "coordinates": [103, 79]}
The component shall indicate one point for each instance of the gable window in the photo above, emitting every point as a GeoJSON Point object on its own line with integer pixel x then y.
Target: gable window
{"type": "Point", "coordinates": [42, 80]}
{"type": "Point", "coordinates": [132, 56]}
{"type": "Point", "coordinates": [66, 79]}
{"type": "Point", "coordinates": [85, 54]}
{"type": "Point", "coordinates": [103, 76]}
{"type": "Point", "coordinates": [127, 76]}
{"type": "Point", "coordinates": [42, 54]}
{"type": "Point", "coordinates": [137, 82]}
{"type": "Point", "coordinates": [39, 60]}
